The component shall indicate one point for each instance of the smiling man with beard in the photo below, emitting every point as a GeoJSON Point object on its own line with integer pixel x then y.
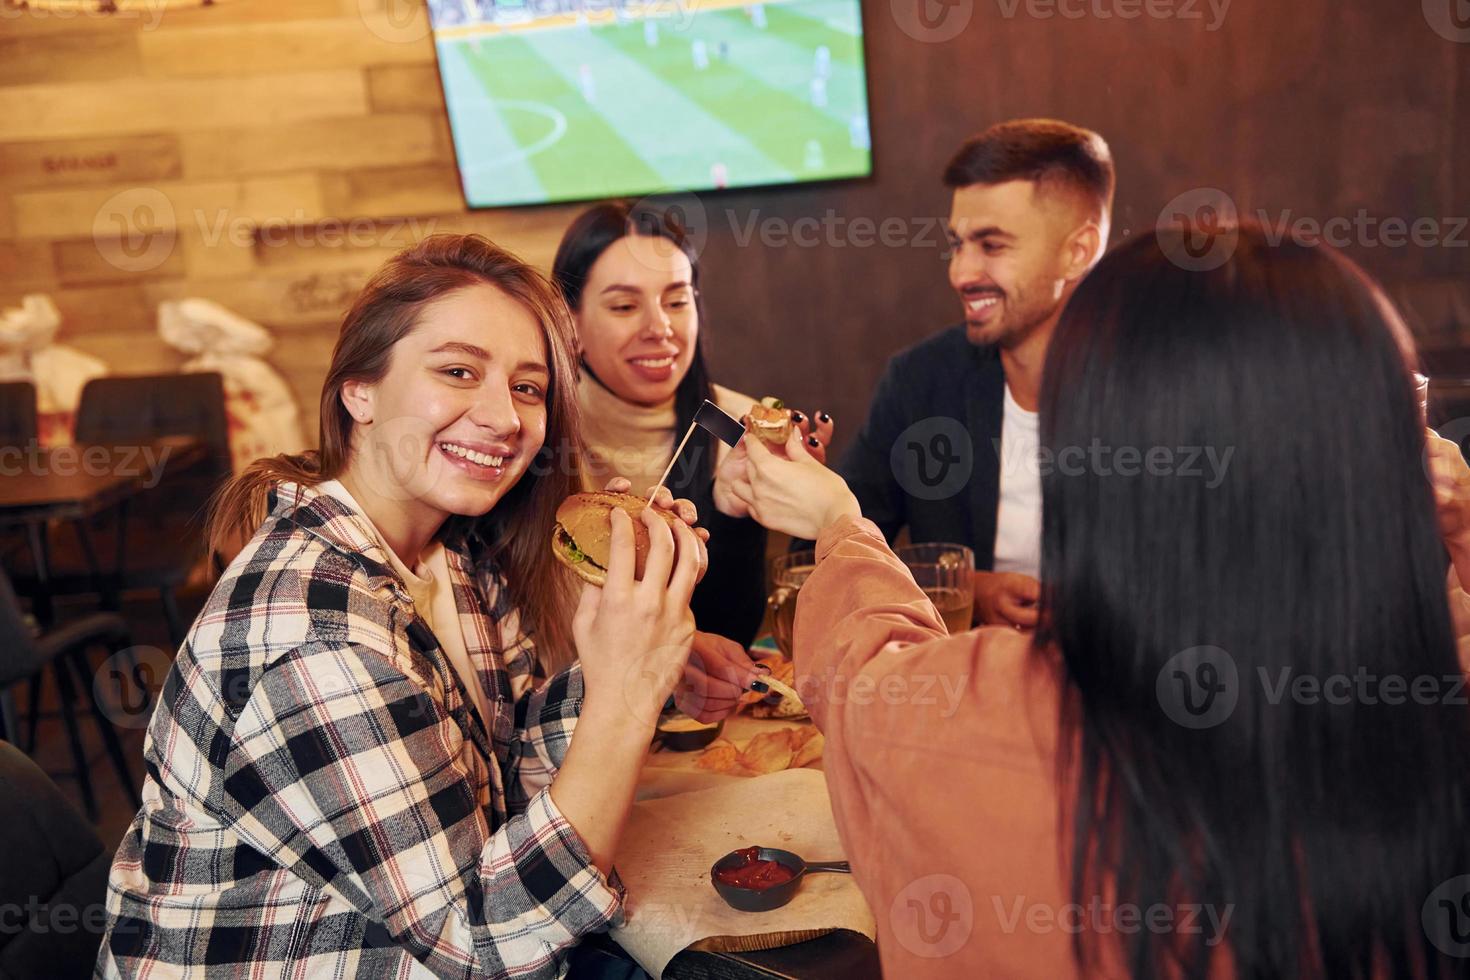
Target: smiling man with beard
{"type": "Point", "coordinates": [1029, 218]}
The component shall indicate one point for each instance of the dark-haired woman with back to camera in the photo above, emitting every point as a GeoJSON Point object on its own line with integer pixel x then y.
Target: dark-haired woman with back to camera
{"type": "Point", "coordinates": [631, 275]}
{"type": "Point", "coordinates": [1236, 745]}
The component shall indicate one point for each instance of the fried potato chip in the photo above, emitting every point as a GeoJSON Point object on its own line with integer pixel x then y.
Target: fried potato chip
{"type": "Point", "coordinates": [801, 736]}
{"type": "Point", "coordinates": [782, 670]}
{"type": "Point", "coordinates": [810, 751]}
{"type": "Point", "coordinates": [789, 704]}
{"type": "Point", "coordinates": [768, 752]}
{"type": "Point", "coordinates": [722, 755]}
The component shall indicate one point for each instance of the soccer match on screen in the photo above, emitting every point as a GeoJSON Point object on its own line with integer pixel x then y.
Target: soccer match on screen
{"type": "Point", "coordinates": [559, 100]}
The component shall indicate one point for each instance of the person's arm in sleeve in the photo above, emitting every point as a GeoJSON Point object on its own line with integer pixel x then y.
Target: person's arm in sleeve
{"type": "Point", "coordinates": [1449, 477]}
{"type": "Point", "coordinates": [350, 773]}
{"type": "Point", "coordinates": [864, 603]}
{"type": "Point", "coordinates": [546, 717]}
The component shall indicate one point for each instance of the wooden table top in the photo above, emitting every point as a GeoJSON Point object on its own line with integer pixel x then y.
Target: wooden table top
{"type": "Point", "coordinates": [76, 481]}
{"type": "Point", "coordinates": [839, 955]}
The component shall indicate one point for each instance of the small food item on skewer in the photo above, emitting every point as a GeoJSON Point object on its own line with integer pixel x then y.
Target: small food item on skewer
{"type": "Point", "coordinates": [771, 422]}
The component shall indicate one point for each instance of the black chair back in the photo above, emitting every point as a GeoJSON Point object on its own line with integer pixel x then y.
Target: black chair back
{"type": "Point", "coordinates": [17, 413]}
{"type": "Point", "coordinates": [137, 409]}
{"type": "Point", "coordinates": [53, 877]}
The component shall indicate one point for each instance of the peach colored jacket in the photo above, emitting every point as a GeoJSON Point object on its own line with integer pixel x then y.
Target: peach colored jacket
{"type": "Point", "coordinates": [940, 759]}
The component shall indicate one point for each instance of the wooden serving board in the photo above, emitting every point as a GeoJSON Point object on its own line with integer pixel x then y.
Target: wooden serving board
{"type": "Point", "coordinates": [670, 844]}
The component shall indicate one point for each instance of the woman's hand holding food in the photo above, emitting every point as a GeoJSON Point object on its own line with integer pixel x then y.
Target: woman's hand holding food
{"type": "Point", "coordinates": [633, 637]}
{"type": "Point", "coordinates": [732, 481]}
{"type": "Point", "coordinates": [719, 671]}
{"type": "Point", "coordinates": [664, 499]}
{"type": "Point", "coordinates": [796, 493]}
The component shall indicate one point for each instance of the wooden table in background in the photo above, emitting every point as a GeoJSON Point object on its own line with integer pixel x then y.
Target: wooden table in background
{"type": "Point", "coordinates": [35, 498]}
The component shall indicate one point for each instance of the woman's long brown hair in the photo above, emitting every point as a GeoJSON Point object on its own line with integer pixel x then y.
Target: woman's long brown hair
{"type": "Point", "coordinates": [519, 527]}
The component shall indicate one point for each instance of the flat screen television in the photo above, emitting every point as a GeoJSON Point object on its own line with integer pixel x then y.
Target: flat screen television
{"type": "Point", "coordinates": [564, 100]}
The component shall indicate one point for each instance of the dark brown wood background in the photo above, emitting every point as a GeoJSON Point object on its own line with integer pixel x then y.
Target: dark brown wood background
{"type": "Point", "coordinates": [304, 111]}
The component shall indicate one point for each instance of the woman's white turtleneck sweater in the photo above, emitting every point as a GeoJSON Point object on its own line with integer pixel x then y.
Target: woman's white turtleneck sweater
{"type": "Point", "coordinates": [636, 441]}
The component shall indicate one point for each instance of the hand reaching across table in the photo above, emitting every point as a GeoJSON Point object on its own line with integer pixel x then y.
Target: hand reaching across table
{"type": "Point", "coordinates": [793, 493]}
{"type": "Point", "coordinates": [814, 435]}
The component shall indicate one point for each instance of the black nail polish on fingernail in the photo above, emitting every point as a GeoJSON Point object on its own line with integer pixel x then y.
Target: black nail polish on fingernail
{"type": "Point", "coordinates": [798, 418]}
{"type": "Point", "coordinates": [823, 418]}
{"type": "Point", "coordinates": [760, 687]}
{"type": "Point", "coordinates": [813, 441]}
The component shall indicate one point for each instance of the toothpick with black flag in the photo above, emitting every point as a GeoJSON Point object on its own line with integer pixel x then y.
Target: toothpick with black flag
{"type": "Point", "coordinates": [714, 420]}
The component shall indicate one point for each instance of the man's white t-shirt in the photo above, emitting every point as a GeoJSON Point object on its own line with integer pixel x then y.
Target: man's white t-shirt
{"type": "Point", "coordinates": [1018, 516]}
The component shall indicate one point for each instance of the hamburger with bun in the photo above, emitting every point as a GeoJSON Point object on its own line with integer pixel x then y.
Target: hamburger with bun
{"type": "Point", "coordinates": [582, 537]}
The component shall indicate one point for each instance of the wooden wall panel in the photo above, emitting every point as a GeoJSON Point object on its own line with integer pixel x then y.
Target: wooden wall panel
{"type": "Point", "coordinates": [215, 207]}
{"type": "Point", "coordinates": [392, 191]}
{"type": "Point", "coordinates": [29, 22]}
{"type": "Point", "coordinates": [90, 160]}
{"type": "Point", "coordinates": [23, 263]}
{"type": "Point", "coordinates": [67, 57]}
{"type": "Point", "coordinates": [275, 48]}
{"type": "Point", "coordinates": [78, 262]}
{"type": "Point", "coordinates": [382, 139]}
{"type": "Point", "coordinates": [405, 88]}
{"type": "Point", "coordinates": [124, 106]}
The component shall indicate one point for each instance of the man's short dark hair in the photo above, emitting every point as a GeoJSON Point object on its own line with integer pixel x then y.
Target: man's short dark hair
{"type": "Point", "coordinates": [1044, 151]}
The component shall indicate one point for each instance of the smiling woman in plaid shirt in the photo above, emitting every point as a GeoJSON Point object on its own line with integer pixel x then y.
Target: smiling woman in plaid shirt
{"type": "Point", "coordinates": [359, 766]}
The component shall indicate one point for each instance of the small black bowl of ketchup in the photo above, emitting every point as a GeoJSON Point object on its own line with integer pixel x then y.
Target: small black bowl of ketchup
{"type": "Point", "coordinates": [759, 879]}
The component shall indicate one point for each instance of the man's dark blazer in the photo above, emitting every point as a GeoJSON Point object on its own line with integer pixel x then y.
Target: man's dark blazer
{"type": "Point", "coordinates": [928, 457]}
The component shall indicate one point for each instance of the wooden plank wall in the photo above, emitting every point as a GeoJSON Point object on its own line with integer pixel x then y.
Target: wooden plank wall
{"type": "Point", "coordinates": [267, 154]}
{"type": "Point", "coordinates": [144, 156]}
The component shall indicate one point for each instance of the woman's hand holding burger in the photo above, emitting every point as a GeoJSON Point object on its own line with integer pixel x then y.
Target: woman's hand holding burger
{"type": "Point", "coordinates": [633, 637]}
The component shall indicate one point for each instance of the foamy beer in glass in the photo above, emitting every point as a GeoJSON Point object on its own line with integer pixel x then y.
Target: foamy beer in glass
{"type": "Point", "coordinates": [946, 574]}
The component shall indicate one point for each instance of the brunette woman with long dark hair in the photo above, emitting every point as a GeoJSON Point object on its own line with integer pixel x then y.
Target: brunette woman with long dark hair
{"type": "Point", "coordinates": [363, 763]}
{"type": "Point", "coordinates": [631, 275]}
{"type": "Point", "coordinates": [1236, 746]}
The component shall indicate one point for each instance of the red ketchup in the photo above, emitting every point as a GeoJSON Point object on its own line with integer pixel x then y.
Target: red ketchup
{"type": "Point", "coordinates": [752, 872]}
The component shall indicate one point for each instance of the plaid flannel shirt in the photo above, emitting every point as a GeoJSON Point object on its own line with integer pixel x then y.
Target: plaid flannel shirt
{"type": "Point", "coordinates": [322, 798]}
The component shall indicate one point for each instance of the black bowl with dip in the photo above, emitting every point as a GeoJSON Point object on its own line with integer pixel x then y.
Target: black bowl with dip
{"type": "Point", "coordinates": [679, 733]}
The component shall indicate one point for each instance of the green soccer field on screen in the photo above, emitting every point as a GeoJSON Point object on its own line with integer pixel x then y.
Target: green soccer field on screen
{"type": "Point", "coordinates": [562, 100]}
